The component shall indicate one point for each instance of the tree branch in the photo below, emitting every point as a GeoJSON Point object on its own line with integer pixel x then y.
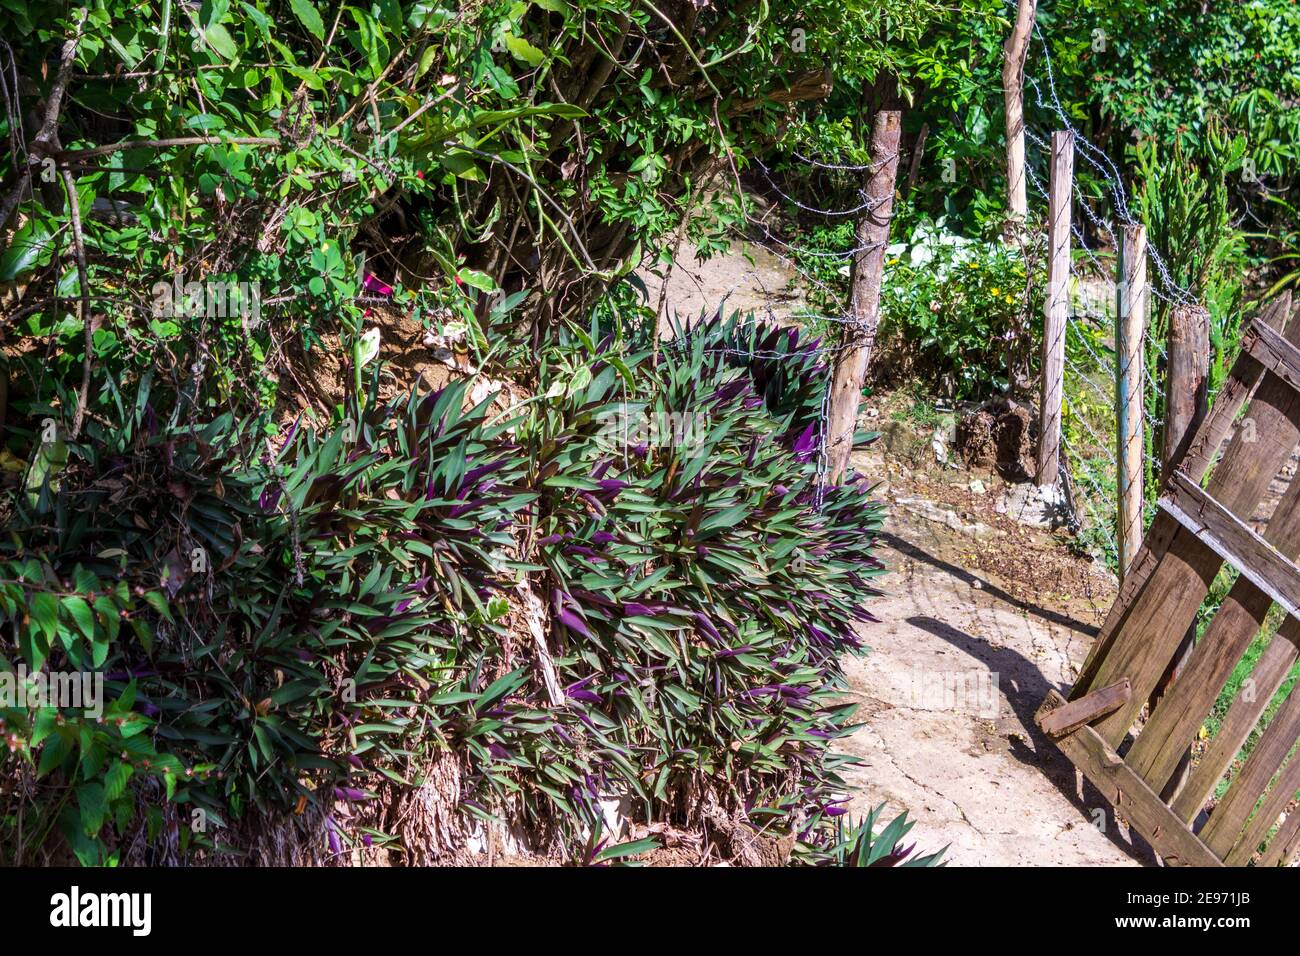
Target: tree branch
{"type": "Point", "coordinates": [67, 155]}
{"type": "Point", "coordinates": [79, 246]}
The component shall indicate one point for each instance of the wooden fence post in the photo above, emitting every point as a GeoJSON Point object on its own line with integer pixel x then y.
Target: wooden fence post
{"type": "Point", "coordinates": [1013, 79]}
{"type": "Point", "coordinates": [1130, 324]}
{"type": "Point", "coordinates": [1187, 383]}
{"type": "Point", "coordinates": [858, 339]}
{"type": "Point", "coordinates": [1057, 309]}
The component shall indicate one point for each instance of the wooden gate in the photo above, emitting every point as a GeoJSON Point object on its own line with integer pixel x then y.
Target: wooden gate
{"type": "Point", "coordinates": [1194, 532]}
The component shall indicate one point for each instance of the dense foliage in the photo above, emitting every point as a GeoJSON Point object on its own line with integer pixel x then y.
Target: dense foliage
{"type": "Point", "coordinates": [597, 564]}
{"type": "Point", "coordinates": [350, 624]}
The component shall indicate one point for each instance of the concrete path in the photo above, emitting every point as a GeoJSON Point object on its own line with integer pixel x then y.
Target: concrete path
{"type": "Point", "coordinates": [947, 701]}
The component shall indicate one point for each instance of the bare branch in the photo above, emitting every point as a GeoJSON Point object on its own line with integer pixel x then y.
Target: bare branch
{"type": "Point", "coordinates": [79, 247]}
{"type": "Point", "coordinates": [68, 155]}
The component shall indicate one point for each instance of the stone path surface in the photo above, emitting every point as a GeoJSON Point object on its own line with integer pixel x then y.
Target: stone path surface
{"type": "Point", "coordinates": [947, 698]}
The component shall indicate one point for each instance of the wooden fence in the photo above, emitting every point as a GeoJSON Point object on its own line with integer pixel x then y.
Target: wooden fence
{"type": "Point", "coordinates": [1196, 530]}
{"type": "Point", "coordinates": [1185, 351]}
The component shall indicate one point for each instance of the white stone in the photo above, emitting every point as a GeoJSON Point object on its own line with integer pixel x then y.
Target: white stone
{"type": "Point", "coordinates": [1036, 507]}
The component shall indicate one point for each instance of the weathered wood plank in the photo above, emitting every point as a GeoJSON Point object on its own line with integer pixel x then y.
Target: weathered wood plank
{"type": "Point", "coordinates": [1278, 797]}
{"type": "Point", "coordinates": [1234, 541]}
{"type": "Point", "coordinates": [1056, 310]}
{"type": "Point", "coordinates": [1161, 615]}
{"type": "Point", "coordinates": [1174, 722]}
{"type": "Point", "coordinates": [1265, 678]}
{"type": "Point", "coordinates": [1224, 830]}
{"type": "Point", "coordinates": [1243, 378]}
{"type": "Point", "coordinates": [1132, 798]}
{"type": "Point", "coordinates": [1181, 712]}
{"type": "Point", "coordinates": [1197, 452]}
{"type": "Point", "coordinates": [1063, 720]}
{"type": "Point", "coordinates": [1277, 355]}
{"type": "Point", "coordinates": [1168, 603]}
{"type": "Point", "coordinates": [1285, 843]}
{"type": "Point", "coordinates": [1130, 352]}
{"type": "Point", "coordinates": [1161, 532]}
{"type": "Point", "coordinates": [1187, 379]}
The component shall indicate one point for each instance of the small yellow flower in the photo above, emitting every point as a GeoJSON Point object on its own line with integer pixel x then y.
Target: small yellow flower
{"type": "Point", "coordinates": [995, 290]}
{"type": "Point", "coordinates": [1010, 300]}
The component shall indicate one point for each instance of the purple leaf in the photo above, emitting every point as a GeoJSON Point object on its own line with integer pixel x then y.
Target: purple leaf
{"type": "Point", "coordinates": [573, 622]}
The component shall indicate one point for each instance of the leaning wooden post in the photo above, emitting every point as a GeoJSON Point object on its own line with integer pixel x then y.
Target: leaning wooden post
{"type": "Point", "coordinates": [1188, 349]}
{"type": "Point", "coordinates": [1013, 80]}
{"type": "Point", "coordinates": [1186, 404]}
{"type": "Point", "coordinates": [858, 337]}
{"type": "Point", "coordinates": [1130, 324]}
{"type": "Point", "coordinates": [1057, 309]}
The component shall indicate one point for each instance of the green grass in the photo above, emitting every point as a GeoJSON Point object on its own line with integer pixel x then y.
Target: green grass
{"type": "Point", "coordinates": [1241, 673]}
{"type": "Point", "coordinates": [922, 411]}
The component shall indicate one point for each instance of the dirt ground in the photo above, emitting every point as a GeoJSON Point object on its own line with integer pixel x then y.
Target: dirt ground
{"type": "Point", "coordinates": [981, 617]}
{"type": "Point", "coordinates": [747, 279]}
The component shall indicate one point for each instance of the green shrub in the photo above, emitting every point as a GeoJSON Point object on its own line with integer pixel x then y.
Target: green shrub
{"type": "Point", "coordinates": [354, 617]}
{"type": "Point", "coordinates": [966, 313]}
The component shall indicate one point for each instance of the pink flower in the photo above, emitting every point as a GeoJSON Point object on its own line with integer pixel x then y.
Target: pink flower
{"type": "Point", "coordinates": [371, 284]}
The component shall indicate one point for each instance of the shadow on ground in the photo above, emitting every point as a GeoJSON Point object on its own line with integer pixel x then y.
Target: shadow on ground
{"type": "Point", "coordinates": [1024, 699]}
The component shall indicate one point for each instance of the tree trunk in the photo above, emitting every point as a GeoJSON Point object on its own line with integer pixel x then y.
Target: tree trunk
{"type": "Point", "coordinates": [1013, 79]}
{"type": "Point", "coordinates": [858, 338]}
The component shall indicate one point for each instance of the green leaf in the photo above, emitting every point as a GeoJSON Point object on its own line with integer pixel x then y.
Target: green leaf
{"type": "Point", "coordinates": [45, 613]}
{"type": "Point", "coordinates": [144, 633]}
{"type": "Point", "coordinates": [81, 615]}
{"type": "Point", "coordinates": [53, 754]}
{"type": "Point", "coordinates": [627, 849]}
{"type": "Point", "coordinates": [43, 725]}
{"type": "Point", "coordinates": [499, 688]}
{"type": "Point", "coordinates": [478, 280]}
{"type": "Point", "coordinates": [93, 806]}
{"type": "Point", "coordinates": [116, 779]}
{"type": "Point", "coordinates": [305, 11]}
{"type": "Point", "coordinates": [159, 604]}
{"type": "Point", "coordinates": [221, 41]}
{"type": "Point", "coordinates": [25, 251]}
{"type": "Point", "coordinates": [521, 49]}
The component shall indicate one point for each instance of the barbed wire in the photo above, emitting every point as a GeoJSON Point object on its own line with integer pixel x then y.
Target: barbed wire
{"type": "Point", "coordinates": [868, 203]}
{"type": "Point", "coordinates": [1095, 470]}
{"type": "Point", "coordinates": [1105, 166]}
{"type": "Point", "coordinates": [1086, 468]}
{"type": "Point", "coordinates": [841, 167]}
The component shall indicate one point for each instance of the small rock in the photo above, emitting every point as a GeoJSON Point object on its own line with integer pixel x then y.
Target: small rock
{"type": "Point", "coordinates": [1036, 507]}
{"type": "Point", "coordinates": [977, 486]}
{"type": "Point", "coordinates": [939, 442]}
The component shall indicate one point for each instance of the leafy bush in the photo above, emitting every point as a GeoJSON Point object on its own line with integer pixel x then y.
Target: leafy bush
{"type": "Point", "coordinates": [858, 845]}
{"type": "Point", "coordinates": [964, 311]}
{"type": "Point", "coordinates": [317, 624]}
{"type": "Point", "coordinates": [1183, 200]}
